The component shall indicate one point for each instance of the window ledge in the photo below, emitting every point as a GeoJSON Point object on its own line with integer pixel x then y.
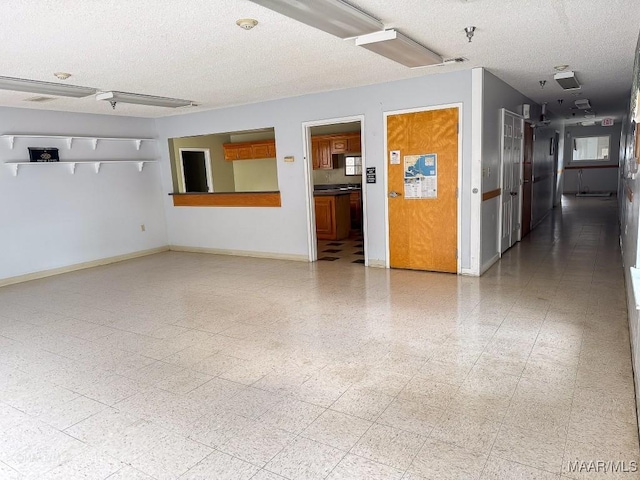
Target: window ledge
{"type": "Point", "coordinates": [230, 199]}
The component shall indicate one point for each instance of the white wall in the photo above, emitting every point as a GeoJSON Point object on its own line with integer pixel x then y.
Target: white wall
{"type": "Point", "coordinates": [629, 201]}
{"type": "Point", "coordinates": [283, 230]}
{"type": "Point", "coordinates": [496, 95]}
{"type": "Point", "coordinates": [593, 180]}
{"type": "Point", "coordinates": [52, 219]}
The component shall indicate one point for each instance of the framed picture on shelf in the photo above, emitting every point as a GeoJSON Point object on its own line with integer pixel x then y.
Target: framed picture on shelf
{"type": "Point", "coordinates": [38, 154]}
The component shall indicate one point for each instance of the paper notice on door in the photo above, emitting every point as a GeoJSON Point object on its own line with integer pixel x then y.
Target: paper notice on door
{"type": "Point", "coordinates": [421, 176]}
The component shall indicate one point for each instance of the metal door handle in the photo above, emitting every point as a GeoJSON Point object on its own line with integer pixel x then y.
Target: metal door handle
{"type": "Point", "coordinates": [513, 194]}
{"type": "Point", "coordinates": [394, 194]}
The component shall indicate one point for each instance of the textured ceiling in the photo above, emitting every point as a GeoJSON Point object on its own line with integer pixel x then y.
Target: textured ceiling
{"type": "Point", "coordinates": [193, 49]}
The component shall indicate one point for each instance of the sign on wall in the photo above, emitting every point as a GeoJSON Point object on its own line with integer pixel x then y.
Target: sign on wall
{"type": "Point", "coordinates": [421, 176]}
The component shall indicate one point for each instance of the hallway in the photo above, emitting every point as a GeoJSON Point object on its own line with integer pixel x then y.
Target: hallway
{"type": "Point", "coordinates": [198, 366]}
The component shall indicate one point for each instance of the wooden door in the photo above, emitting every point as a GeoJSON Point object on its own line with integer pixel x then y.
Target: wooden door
{"type": "Point", "coordinates": [423, 232]}
{"type": "Point", "coordinates": [527, 179]}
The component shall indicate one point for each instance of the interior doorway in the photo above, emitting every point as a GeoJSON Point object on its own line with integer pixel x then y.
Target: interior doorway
{"type": "Point", "coordinates": [335, 162]}
{"type": "Point", "coordinates": [195, 168]}
{"type": "Point", "coordinates": [423, 172]}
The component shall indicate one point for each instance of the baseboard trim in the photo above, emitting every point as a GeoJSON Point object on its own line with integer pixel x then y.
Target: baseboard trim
{"type": "Point", "coordinates": [489, 263]}
{"type": "Point", "coordinates": [377, 264]}
{"type": "Point", "coordinates": [80, 266]}
{"type": "Point", "coordinates": [239, 253]}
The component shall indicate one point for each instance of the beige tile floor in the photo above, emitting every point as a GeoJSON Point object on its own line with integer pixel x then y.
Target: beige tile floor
{"type": "Point", "coordinates": [196, 366]}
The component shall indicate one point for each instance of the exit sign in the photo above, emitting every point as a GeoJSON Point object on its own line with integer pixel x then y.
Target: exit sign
{"type": "Point", "coordinates": [607, 122]}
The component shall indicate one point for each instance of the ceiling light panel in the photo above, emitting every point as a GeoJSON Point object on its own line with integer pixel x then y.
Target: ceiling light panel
{"type": "Point", "coordinates": [583, 104]}
{"type": "Point", "coordinates": [567, 80]}
{"type": "Point", "coordinates": [332, 16]}
{"type": "Point", "coordinates": [138, 99]}
{"type": "Point", "coordinates": [44, 88]}
{"type": "Point", "coordinates": [399, 48]}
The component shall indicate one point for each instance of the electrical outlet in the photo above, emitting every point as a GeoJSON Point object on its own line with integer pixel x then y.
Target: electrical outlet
{"type": "Point", "coordinates": [143, 228]}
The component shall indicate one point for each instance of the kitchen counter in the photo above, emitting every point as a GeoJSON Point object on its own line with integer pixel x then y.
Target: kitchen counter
{"type": "Point", "coordinates": [331, 193]}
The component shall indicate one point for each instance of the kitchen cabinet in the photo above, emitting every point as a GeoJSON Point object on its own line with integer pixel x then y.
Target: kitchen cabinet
{"type": "Point", "coordinates": [339, 145]}
{"type": "Point", "coordinates": [323, 147]}
{"type": "Point", "coordinates": [354, 144]}
{"type": "Point", "coordinates": [333, 216]}
{"type": "Point", "coordinates": [249, 150]}
{"type": "Point", "coordinates": [321, 153]}
{"type": "Point", "coordinates": [355, 204]}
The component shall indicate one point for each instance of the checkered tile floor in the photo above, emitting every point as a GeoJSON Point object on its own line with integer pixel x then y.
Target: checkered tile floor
{"type": "Point", "coordinates": [350, 250]}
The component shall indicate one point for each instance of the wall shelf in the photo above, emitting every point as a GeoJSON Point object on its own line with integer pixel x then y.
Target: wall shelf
{"type": "Point", "coordinates": [15, 166]}
{"type": "Point", "coordinates": [70, 138]}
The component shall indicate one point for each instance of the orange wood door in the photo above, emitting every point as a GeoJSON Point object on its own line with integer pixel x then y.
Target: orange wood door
{"type": "Point", "coordinates": [423, 232]}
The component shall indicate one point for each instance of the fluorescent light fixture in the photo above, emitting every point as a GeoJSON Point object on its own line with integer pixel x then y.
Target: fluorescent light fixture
{"type": "Point", "coordinates": [395, 46]}
{"type": "Point", "coordinates": [583, 104]}
{"type": "Point", "coordinates": [125, 97]}
{"type": "Point", "coordinates": [567, 80]}
{"type": "Point", "coordinates": [332, 16]}
{"type": "Point", "coordinates": [45, 88]}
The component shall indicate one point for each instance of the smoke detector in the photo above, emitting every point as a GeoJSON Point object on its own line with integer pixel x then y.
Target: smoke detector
{"type": "Point", "coordinates": [247, 23]}
{"type": "Point", "coordinates": [62, 75]}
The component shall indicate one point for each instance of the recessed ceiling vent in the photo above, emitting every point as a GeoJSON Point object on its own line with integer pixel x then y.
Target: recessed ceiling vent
{"type": "Point", "coordinates": [583, 104]}
{"type": "Point", "coordinates": [38, 99]}
{"type": "Point", "coordinates": [567, 80]}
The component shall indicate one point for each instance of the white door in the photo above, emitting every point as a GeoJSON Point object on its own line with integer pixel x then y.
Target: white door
{"type": "Point", "coordinates": [507, 179]}
{"type": "Point", "coordinates": [511, 166]}
{"type": "Point", "coordinates": [517, 158]}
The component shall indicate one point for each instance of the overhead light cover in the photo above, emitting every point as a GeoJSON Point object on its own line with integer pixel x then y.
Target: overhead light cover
{"type": "Point", "coordinates": [399, 48]}
{"type": "Point", "coordinates": [45, 88]}
{"type": "Point", "coordinates": [583, 104]}
{"type": "Point", "coordinates": [567, 80]}
{"type": "Point", "coordinates": [332, 16]}
{"type": "Point", "coordinates": [139, 99]}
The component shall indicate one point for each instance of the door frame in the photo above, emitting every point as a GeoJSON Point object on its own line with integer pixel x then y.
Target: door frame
{"type": "Point", "coordinates": [207, 166]}
{"type": "Point", "coordinates": [521, 177]}
{"type": "Point", "coordinates": [312, 240]}
{"type": "Point", "coordinates": [387, 114]}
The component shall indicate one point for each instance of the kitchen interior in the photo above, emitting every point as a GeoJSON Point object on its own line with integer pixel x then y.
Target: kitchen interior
{"type": "Point", "coordinates": [337, 179]}
{"type": "Point", "coordinates": [239, 162]}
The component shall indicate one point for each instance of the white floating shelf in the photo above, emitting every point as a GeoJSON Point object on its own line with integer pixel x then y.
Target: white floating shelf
{"type": "Point", "coordinates": [15, 166]}
{"type": "Point", "coordinates": [70, 138]}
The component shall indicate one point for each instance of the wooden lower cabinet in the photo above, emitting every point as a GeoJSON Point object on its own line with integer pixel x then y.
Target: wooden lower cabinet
{"type": "Point", "coordinates": [355, 200]}
{"type": "Point", "coordinates": [333, 217]}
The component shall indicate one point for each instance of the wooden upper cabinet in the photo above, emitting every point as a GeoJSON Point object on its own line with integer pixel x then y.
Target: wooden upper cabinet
{"type": "Point", "coordinates": [339, 145]}
{"type": "Point", "coordinates": [324, 160]}
{"type": "Point", "coordinates": [324, 146]}
{"type": "Point", "coordinates": [354, 144]}
{"type": "Point", "coordinates": [245, 152]}
{"type": "Point", "coordinates": [249, 150]}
